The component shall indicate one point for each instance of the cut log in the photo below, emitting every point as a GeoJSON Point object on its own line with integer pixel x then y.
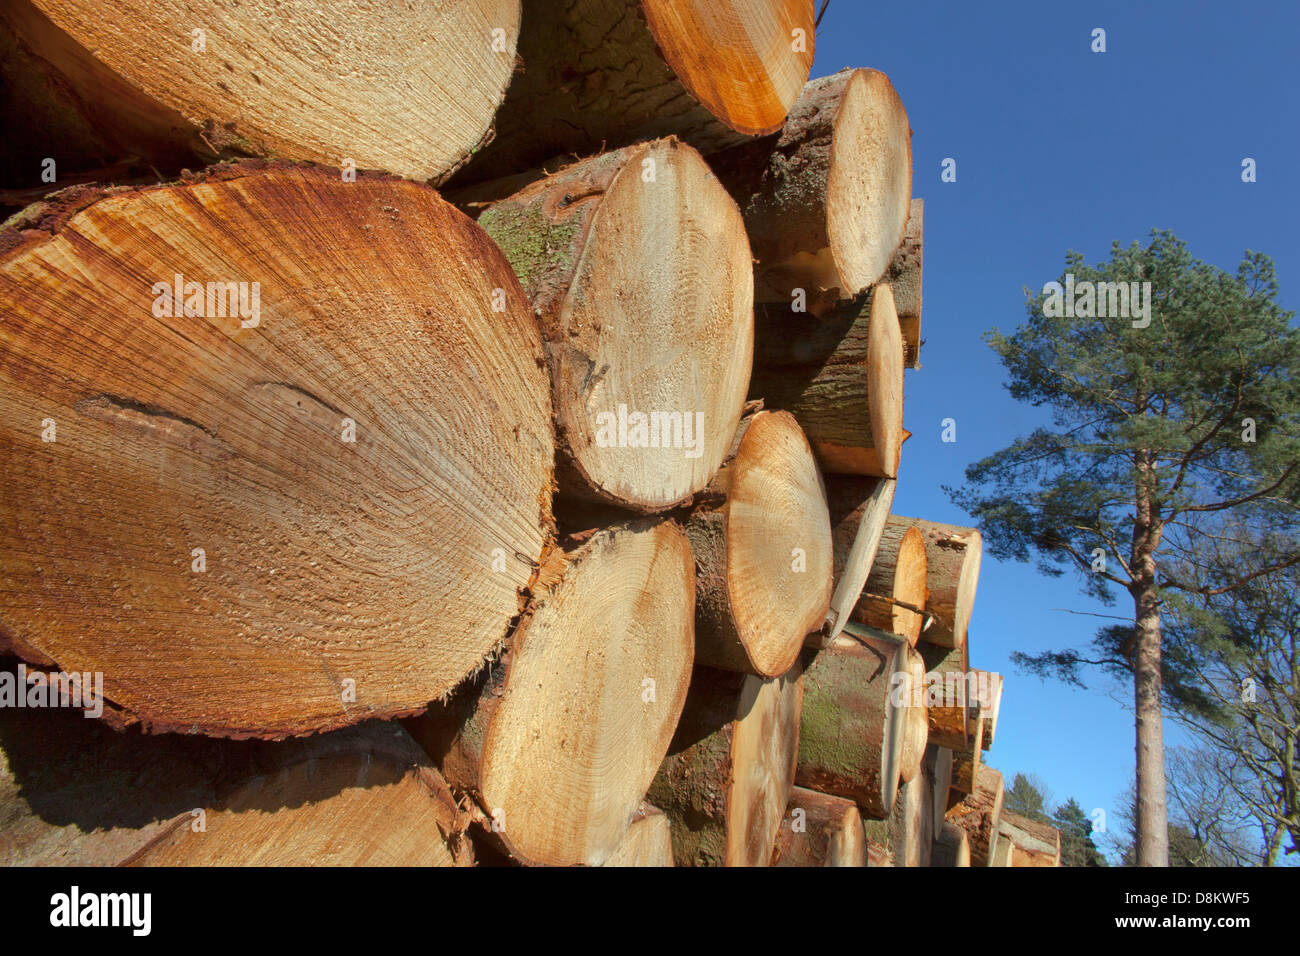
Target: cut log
{"type": "Point", "coordinates": [729, 771]}
{"type": "Point", "coordinates": [979, 813]}
{"type": "Point", "coordinates": [947, 687]}
{"type": "Point", "coordinates": [858, 508]}
{"type": "Point", "coordinates": [842, 377]}
{"type": "Point", "coordinates": [878, 855]}
{"type": "Point", "coordinates": [893, 598]}
{"type": "Point", "coordinates": [410, 89]}
{"type": "Point", "coordinates": [916, 730]}
{"type": "Point", "coordinates": [75, 793]}
{"type": "Point", "coordinates": [989, 708]}
{"type": "Point", "coordinates": [1028, 842]}
{"type": "Point", "coordinates": [762, 543]}
{"type": "Point", "coordinates": [826, 200]}
{"type": "Point", "coordinates": [820, 830]}
{"type": "Point", "coordinates": [558, 743]}
{"type": "Point", "coordinates": [904, 277]}
{"type": "Point", "coordinates": [599, 74]}
{"type": "Point", "coordinates": [637, 268]}
{"type": "Point", "coordinates": [951, 846]}
{"type": "Point", "coordinates": [952, 571]}
{"type": "Point", "coordinates": [851, 737]}
{"type": "Point", "coordinates": [317, 500]}
{"type": "Point", "coordinates": [908, 831]}
{"type": "Point", "coordinates": [647, 842]}
{"type": "Point", "coordinates": [966, 766]}
{"type": "Point", "coordinates": [938, 763]}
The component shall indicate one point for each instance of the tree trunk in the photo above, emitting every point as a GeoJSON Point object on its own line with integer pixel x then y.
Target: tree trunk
{"type": "Point", "coordinates": [131, 81]}
{"type": "Point", "coordinates": [826, 200]}
{"type": "Point", "coordinates": [1028, 842]}
{"type": "Point", "coordinates": [727, 777]}
{"type": "Point", "coordinates": [600, 74]}
{"type": "Point", "coordinates": [820, 830]}
{"type": "Point", "coordinates": [841, 376]}
{"type": "Point", "coordinates": [762, 544]}
{"type": "Point", "coordinates": [978, 814]}
{"type": "Point", "coordinates": [558, 743]}
{"type": "Point", "coordinates": [73, 792]}
{"type": "Point", "coordinates": [643, 290]}
{"type": "Point", "coordinates": [948, 711]}
{"type": "Point", "coordinates": [1151, 811]}
{"type": "Point", "coordinates": [952, 574]}
{"type": "Point", "coordinates": [858, 509]}
{"type": "Point", "coordinates": [252, 522]}
{"type": "Point", "coordinates": [904, 277]}
{"type": "Point", "coordinates": [895, 587]}
{"type": "Point", "coordinates": [853, 732]}
{"type": "Point", "coordinates": [647, 842]}
{"type": "Point", "coordinates": [951, 846]}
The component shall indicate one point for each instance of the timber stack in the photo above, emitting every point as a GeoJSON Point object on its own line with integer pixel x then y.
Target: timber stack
{"type": "Point", "coordinates": [502, 476]}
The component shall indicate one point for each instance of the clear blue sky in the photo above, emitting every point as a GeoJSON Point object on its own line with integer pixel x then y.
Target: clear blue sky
{"type": "Point", "coordinates": [1061, 148]}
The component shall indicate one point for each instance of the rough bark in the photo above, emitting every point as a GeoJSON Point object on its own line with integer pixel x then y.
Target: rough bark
{"type": "Point", "coordinates": [966, 765]}
{"type": "Point", "coordinates": [826, 200]}
{"type": "Point", "coordinates": [125, 82]}
{"type": "Point", "coordinates": [73, 792]}
{"type": "Point", "coordinates": [952, 574]}
{"type": "Point", "coordinates": [990, 709]}
{"type": "Point", "coordinates": [728, 774]}
{"type": "Point", "coordinates": [978, 814]}
{"type": "Point", "coordinates": [908, 831]}
{"type": "Point", "coordinates": [904, 277]}
{"type": "Point", "coordinates": [894, 593]}
{"type": "Point", "coordinates": [1151, 809]}
{"type": "Point", "coordinates": [938, 766]}
{"type": "Point", "coordinates": [558, 743]}
{"type": "Point", "coordinates": [601, 74]}
{"type": "Point", "coordinates": [643, 291]}
{"type": "Point", "coordinates": [762, 544]}
{"type": "Point", "coordinates": [852, 734]}
{"type": "Point", "coordinates": [841, 376]}
{"type": "Point", "coordinates": [858, 509]}
{"type": "Point", "coordinates": [256, 523]}
{"type": "Point", "coordinates": [820, 830]}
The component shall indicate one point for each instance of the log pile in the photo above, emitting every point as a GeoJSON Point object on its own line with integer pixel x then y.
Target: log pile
{"type": "Point", "coordinates": [549, 523]}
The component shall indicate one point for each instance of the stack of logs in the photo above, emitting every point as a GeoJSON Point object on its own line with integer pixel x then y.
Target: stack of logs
{"type": "Point", "coordinates": [540, 517]}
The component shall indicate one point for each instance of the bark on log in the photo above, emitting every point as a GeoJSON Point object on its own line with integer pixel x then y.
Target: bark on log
{"type": "Point", "coordinates": [820, 830]}
{"type": "Point", "coordinates": [852, 735]}
{"type": "Point", "coordinates": [826, 200]}
{"type": "Point", "coordinates": [878, 855]}
{"type": "Point", "coordinates": [91, 84]}
{"type": "Point", "coordinates": [258, 521]}
{"type": "Point", "coordinates": [947, 686]}
{"type": "Point", "coordinates": [558, 743]}
{"type": "Point", "coordinates": [952, 570]}
{"type": "Point", "coordinates": [895, 589]}
{"type": "Point", "coordinates": [762, 544]}
{"type": "Point", "coordinates": [73, 792]}
{"type": "Point", "coordinates": [989, 709]}
{"type": "Point", "coordinates": [643, 290]}
{"type": "Point", "coordinates": [858, 508]}
{"type": "Point", "coordinates": [951, 846]}
{"type": "Point", "coordinates": [600, 74]}
{"type": "Point", "coordinates": [841, 376]}
{"type": "Point", "coordinates": [1028, 842]}
{"type": "Point", "coordinates": [908, 831]}
{"type": "Point", "coordinates": [979, 813]}
{"type": "Point", "coordinates": [938, 762]}
{"type": "Point", "coordinates": [966, 766]}
{"type": "Point", "coordinates": [729, 771]}
{"type": "Point", "coordinates": [904, 277]}
{"type": "Point", "coordinates": [647, 842]}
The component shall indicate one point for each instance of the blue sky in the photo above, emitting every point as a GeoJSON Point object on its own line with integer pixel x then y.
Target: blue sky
{"type": "Point", "coordinates": [1060, 148]}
